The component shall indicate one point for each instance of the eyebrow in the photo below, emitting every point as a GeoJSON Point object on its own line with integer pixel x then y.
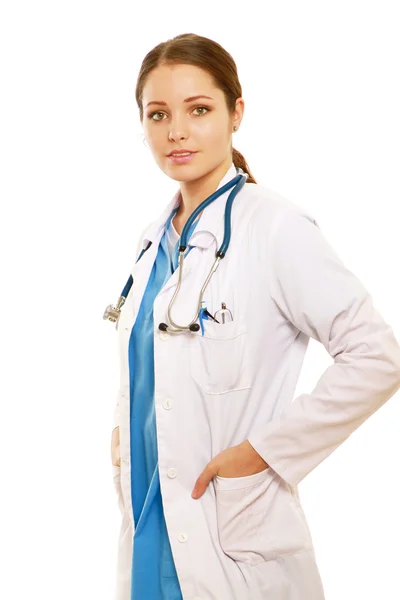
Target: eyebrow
{"type": "Point", "coordinates": [187, 100]}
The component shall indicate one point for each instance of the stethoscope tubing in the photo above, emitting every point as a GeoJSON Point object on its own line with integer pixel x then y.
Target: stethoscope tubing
{"type": "Point", "coordinates": [237, 183]}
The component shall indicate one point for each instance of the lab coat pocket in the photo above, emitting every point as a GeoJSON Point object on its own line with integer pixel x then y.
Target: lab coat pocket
{"type": "Point", "coordinates": [117, 485]}
{"type": "Point", "coordinates": [219, 359]}
{"type": "Point", "coordinates": [258, 519]}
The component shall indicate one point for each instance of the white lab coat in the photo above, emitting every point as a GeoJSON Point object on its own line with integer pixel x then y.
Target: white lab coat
{"type": "Point", "coordinates": [247, 538]}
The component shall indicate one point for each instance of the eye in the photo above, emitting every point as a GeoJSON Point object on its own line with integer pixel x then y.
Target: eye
{"type": "Point", "coordinates": [205, 108]}
{"type": "Point", "coordinates": [155, 113]}
{"type": "Point", "coordinates": [159, 112]}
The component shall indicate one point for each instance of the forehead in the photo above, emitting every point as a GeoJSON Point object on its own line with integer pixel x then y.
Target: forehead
{"type": "Point", "coordinates": [177, 82]}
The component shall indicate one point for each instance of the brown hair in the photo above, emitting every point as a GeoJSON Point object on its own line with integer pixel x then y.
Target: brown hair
{"type": "Point", "coordinates": [192, 49]}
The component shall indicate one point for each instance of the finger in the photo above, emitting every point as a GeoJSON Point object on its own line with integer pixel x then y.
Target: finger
{"type": "Point", "coordinates": [116, 456]}
{"type": "Point", "coordinates": [203, 480]}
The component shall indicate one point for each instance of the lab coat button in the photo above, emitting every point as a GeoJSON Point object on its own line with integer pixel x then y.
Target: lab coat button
{"type": "Point", "coordinates": [167, 404]}
{"type": "Point", "coordinates": [172, 473]}
{"type": "Point", "coordinates": [183, 537]}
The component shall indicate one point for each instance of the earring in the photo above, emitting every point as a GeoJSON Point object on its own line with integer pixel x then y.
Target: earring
{"type": "Point", "coordinates": [234, 128]}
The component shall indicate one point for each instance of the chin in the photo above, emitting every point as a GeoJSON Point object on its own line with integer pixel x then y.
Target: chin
{"type": "Point", "coordinates": [185, 173]}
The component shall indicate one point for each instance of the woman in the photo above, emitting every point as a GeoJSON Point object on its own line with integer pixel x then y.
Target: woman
{"type": "Point", "coordinates": [208, 447]}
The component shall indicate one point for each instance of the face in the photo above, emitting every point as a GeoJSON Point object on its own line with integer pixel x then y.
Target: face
{"type": "Point", "coordinates": [202, 125]}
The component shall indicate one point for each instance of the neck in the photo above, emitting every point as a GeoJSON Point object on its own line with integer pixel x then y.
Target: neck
{"type": "Point", "coordinates": [193, 193]}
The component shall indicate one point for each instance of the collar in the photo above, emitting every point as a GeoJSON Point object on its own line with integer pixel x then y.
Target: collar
{"type": "Point", "coordinates": [210, 225]}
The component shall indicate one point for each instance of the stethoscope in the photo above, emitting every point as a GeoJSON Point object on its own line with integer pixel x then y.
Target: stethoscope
{"type": "Point", "coordinates": [113, 313]}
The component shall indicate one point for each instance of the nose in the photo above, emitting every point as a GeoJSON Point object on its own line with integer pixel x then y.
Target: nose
{"type": "Point", "coordinates": [177, 132]}
{"type": "Point", "coordinates": [176, 135]}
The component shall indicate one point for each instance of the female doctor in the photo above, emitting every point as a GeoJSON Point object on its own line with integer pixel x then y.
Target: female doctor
{"type": "Point", "coordinates": [208, 448]}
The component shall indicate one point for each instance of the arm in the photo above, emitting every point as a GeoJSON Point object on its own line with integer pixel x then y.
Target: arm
{"type": "Point", "coordinates": [316, 292]}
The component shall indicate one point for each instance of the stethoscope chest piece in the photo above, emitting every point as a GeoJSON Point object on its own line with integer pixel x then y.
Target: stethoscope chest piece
{"type": "Point", "coordinates": [112, 313]}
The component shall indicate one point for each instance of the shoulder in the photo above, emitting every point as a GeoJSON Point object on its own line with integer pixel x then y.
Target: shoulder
{"type": "Point", "coordinates": [265, 210]}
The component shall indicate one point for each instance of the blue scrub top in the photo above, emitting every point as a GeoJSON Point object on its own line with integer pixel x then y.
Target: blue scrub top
{"type": "Point", "coordinates": [153, 570]}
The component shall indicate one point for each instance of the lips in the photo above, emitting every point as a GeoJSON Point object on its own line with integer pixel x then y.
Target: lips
{"type": "Point", "coordinates": [181, 159]}
{"type": "Point", "coordinates": [181, 152]}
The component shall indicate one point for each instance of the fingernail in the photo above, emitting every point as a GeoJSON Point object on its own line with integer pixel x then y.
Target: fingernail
{"type": "Point", "coordinates": [194, 493]}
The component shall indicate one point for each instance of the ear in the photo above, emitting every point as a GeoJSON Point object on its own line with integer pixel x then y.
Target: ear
{"type": "Point", "coordinates": [237, 114]}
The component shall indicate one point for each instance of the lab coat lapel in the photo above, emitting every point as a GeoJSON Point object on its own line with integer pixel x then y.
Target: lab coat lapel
{"type": "Point", "coordinates": [142, 268]}
{"type": "Point", "coordinates": [141, 273]}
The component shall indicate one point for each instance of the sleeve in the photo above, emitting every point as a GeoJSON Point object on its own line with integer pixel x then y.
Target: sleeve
{"type": "Point", "coordinates": [315, 291]}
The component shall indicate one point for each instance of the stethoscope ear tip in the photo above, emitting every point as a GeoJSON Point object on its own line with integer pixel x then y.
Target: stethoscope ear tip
{"type": "Point", "coordinates": [163, 326]}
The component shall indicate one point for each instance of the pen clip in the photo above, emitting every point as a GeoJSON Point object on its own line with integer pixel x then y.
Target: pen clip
{"type": "Point", "coordinates": [210, 316]}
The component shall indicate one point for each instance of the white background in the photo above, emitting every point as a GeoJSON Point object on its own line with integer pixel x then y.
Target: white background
{"type": "Point", "coordinates": [321, 127]}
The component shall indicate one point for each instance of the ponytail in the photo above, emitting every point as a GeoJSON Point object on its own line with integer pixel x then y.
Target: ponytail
{"type": "Point", "coordinates": [239, 161]}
